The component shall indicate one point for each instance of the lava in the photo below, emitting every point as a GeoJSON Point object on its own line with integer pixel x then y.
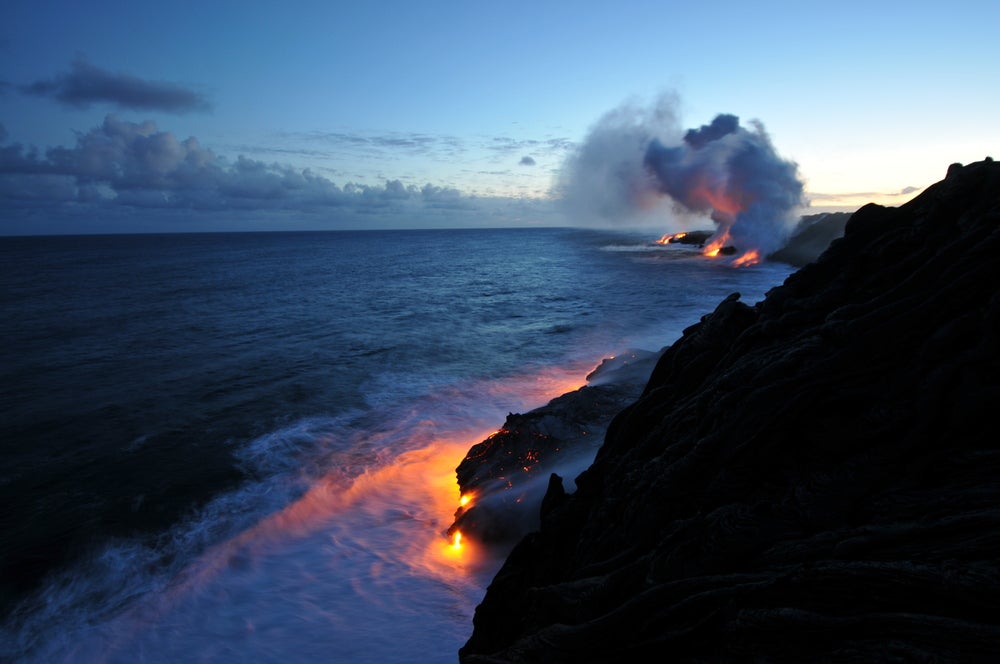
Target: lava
{"type": "Point", "coordinates": [751, 257]}
{"type": "Point", "coordinates": [734, 175]}
{"type": "Point", "coordinates": [671, 237]}
{"type": "Point", "coordinates": [716, 244]}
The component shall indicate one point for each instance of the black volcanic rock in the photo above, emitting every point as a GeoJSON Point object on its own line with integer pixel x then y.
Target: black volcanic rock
{"type": "Point", "coordinates": [812, 235]}
{"type": "Point", "coordinates": [697, 238]}
{"type": "Point", "coordinates": [505, 473]}
{"type": "Point", "coordinates": [814, 478]}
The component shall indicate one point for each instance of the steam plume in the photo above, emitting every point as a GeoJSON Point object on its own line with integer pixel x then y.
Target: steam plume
{"type": "Point", "coordinates": [633, 161]}
{"type": "Point", "coordinates": [735, 175]}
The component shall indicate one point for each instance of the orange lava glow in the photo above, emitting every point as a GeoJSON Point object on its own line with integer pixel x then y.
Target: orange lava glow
{"type": "Point", "coordinates": [394, 514]}
{"type": "Point", "coordinates": [671, 237]}
{"type": "Point", "coordinates": [716, 244]}
{"type": "Point", "coordinates": [720, 198]}
{"type": "Point", "coordinates": [726, 205]}
{"type": "Point", "coordinates": [418, 484]}
{"type": "Point", "coordinates": [723, 239]}
{"type": "Point", "coordinates": [751, 257]}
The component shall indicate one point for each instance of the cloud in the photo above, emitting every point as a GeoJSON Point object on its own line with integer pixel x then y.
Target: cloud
{"type": "Point", "coordinates": [86, 84]}
{"type": "Point", "coordinates": [441, 147]}
{"type": "Point", "coordinates": [526, 161]}
{"type": "Point", "coordinates": [122, 164]}
{"type": "Point", "coordinates": [504, 146]}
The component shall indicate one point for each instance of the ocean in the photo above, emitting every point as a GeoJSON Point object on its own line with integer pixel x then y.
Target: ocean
{"type": "Point", "coordinates": [241, 447]}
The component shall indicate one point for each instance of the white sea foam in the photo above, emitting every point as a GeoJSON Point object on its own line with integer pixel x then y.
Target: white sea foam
{"type": "Point", "coordinates": [330, 560]}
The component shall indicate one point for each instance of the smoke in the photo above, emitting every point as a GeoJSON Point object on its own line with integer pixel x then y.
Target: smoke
{"type": "Point", "coordinates": [634, 162]}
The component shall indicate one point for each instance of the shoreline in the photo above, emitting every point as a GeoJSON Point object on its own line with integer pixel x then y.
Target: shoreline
{"type": "Point", "coordinates": [504, 478]}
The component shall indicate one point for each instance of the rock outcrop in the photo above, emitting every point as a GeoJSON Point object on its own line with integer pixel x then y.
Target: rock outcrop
{"type": "Point", "coordinates": [506, 475]}
{"type": "Point", "coordinates": [813, 478]}
{"type": "Point", "coordinates": [812, 235]}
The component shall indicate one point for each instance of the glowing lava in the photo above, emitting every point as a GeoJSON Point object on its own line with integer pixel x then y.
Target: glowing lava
{"type": "Point", "coordinates": [671, 237]}
{"type": "Point", "coordinates": [716, 244]}
{"type": "Point", "coordinates": [751, 257]}
{"type": "Point", "coordinates": [726, 203]}
{"type": "Point", "coordinates": [456, 540]}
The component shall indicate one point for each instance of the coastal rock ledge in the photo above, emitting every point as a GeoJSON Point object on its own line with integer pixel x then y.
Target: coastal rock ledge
{"type": "Point", "coordinates": [814, 478]}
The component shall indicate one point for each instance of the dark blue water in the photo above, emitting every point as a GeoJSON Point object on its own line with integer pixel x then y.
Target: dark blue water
{"type": "Point", "coordinates": [241, 446]}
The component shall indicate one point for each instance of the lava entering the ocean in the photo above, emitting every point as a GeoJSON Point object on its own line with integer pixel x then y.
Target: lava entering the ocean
{"type": "Point", "coordinates": [671, 238]}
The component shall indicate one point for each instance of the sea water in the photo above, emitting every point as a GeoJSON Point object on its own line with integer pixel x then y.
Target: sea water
{"type": "Point", "coordinates": [241, 447]}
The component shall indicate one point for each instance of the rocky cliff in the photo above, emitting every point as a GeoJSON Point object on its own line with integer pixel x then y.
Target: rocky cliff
{"type": "Point", "coordinates": [816, 477]}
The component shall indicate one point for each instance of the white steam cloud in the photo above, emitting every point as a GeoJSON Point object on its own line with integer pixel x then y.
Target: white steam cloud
{"type": "Point", "coordinates": [637, 165]}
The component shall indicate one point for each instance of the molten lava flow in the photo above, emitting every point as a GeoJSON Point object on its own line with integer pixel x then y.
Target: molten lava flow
{"type": "Point", "coordinates": [716, 244]}
{"type": "Point", "coordinates": [751, 257]}
{"type": "Point", "coordinates": [726, 204]}
{"type": "Point", "coordinates": [671, 237]}
{"type": "Point", "coordinates": [382, 526]}
{"type": "Point", "coordinates": [721, 245]}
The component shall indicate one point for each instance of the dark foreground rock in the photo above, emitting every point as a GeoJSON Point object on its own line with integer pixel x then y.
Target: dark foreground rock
{"type": "Point", "coordinates": [815, 478]}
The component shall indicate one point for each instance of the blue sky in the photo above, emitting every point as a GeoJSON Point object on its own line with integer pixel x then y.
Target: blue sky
{"type": "Point", "coordinates": [336, 115]}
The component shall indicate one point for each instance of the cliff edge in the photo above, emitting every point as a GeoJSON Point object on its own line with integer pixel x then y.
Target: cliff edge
{"type": "Point", "coordinates": [816, 477]}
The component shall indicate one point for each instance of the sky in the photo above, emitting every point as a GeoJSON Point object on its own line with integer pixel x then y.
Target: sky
{"type": "Point", "coordinates": [203, 116]}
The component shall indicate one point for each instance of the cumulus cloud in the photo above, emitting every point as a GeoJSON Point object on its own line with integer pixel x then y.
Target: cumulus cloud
{"type": "Point", "coordinates": [526, 161]}
{"type": "Point", "coordinates": [85, 84]}
{"type": "Point", "coordinates": [129, 164]}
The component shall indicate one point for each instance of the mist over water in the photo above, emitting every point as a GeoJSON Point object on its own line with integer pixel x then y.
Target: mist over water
{"type": "Point", "coordinates": [244, 445]}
